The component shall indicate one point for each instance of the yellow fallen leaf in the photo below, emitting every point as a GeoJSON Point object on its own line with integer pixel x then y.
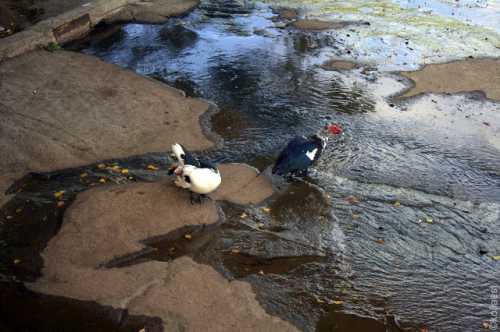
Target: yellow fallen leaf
{"type": "Point", "coordinates": [101, 166]}
{"type": "Point", "coordinates": [58, 194]}
{"type": "Point", "coordinates": [124, 171]}
{"type": "Point", "coordinates": [397, 204]}
{"type": "Point", "coordinates": [266, 209]}
{"type": "Point", "coordinates": [84, 175]}
{"type": "Point", "coordinates": [188, 236]}
{"type": "Point", "coordinates": [337, 302]}
{"type": "Point", "coordinates": [102, 180]}
{"type": "Point", "coordinates": [19, 210]}
{"type": "Point", "coordinates": [260, 224]}
{"type": "Point", "coordinates": [486, 325]}
{"type": "Point", "coordinates": [319, 300]}
{"type": "Point", "coordinates": [352, 200]}
{"type": "Point", "coordinates": [355, 216]}
{"type": "Point", "coordinates": [429, 220]}
{"type": "Point", "coordinates": [496, 258]}
{"type": "Point", "coordinates": [243, 215]}
{"type": "Point", "coordinates": [115, 168]}
{"type": "Point", "coordinates": [60, 204]}
{"type": "Point", "coordinates": [152, 168]}
{"type": "Point", "coordinates": [17, 261]}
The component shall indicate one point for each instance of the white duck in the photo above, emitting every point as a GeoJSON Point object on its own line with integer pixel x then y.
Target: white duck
{"type": "Point", "coordinates": [197, 176]}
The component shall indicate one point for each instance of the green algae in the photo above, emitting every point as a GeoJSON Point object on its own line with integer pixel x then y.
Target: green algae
{"type": "Point", "coordinates": [433, 37]}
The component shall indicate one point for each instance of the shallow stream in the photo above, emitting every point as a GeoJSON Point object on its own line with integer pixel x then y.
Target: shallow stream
{"type": "Point", "coordinates": [396, 226]}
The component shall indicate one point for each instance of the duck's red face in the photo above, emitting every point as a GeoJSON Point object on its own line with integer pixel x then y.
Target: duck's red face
{"type": "Point", "coordinates": [334, 129]}
{"type": "Point", "coordinates": [178, 171]}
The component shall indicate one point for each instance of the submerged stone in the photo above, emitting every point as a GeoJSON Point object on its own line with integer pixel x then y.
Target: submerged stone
{"type": "Point", "coordinates": [179, 36]}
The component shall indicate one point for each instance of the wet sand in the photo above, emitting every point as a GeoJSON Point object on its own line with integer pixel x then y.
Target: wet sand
{"type": "Point", "coordinates": [458, 76]}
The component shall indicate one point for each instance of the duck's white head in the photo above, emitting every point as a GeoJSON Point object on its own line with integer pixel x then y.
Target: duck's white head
{"type": "Point", "coordinates": [178, 153]}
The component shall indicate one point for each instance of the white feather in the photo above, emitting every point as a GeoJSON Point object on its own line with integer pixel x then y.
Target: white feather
{"type": "Point", "coordinates": [178, 152]}
{"type": "Point", "coordinates": [202, 180]}
{"type": "Point", "coordinates": [311, 154]}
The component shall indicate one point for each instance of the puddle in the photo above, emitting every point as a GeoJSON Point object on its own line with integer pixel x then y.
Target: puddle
{"type": "Point", "coordinates": [400, 218]}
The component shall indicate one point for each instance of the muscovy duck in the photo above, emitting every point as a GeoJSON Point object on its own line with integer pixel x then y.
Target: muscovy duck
{"type": "Point", "coordinates": [198, 176]}
{"type": "Point", "coordinates": [302, 152]}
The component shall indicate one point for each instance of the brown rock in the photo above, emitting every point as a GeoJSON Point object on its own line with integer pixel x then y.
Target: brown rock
{"type": "Point", "coordinates": [317, 25]}
{"type": "Point", "coordinates": [64, 109]}
{"type": "Point", "coordinates": [457, 76]}
{"type": "Point", "coordinates": [155, 11]}
{"type": "Point", "coordinates": [288, 13]}
{"type": "Point", "coordinates": [242, 184]}
{"type": "Point", "coordinates": [339, 65]}
{"type": "Point", "coordinates": [107, 222]}
{"type": "Point", "coordinates": [111, 221]}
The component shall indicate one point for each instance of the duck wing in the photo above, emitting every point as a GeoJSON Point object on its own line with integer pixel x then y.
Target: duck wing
{"type": "Point", "coordinates": [295, 156]}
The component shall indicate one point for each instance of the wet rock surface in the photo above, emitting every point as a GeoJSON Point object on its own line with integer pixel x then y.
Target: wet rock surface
{"type": "Point", "coordinates": [317, 25]}
{"type": "Point", "coordinates": [179, 36]}
{"type": "Point", "coordinates": [242, 185]}
{"type": "Point", "coordinates": [64, 109]}
{"type": "Point", "coordinates": [156, 11]}
{"type": "Point", "coordinates": [105, 223]}
{"type": "Point", "coordinates": [65, 314]}
{"type": "Point", "coordinates": [339, 65]}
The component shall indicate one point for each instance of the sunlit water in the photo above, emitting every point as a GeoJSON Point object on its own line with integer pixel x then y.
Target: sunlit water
{"type": "Point", "coordinates": [419, 242]}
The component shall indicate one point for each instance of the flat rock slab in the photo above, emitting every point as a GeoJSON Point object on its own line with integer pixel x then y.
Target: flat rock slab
{"type": "Point", "coordinates": [288, 13]}
{"type": "Point", "coordinates": [153, 11]}
{"type": "Point", "coordinates": [242, 184]}
{"type": "Point", "coordinates": [64, 109]}
{"type": "Point", "coordinates": [458, 76]}
{"type": "Point", "coordinates": [339, 65]}
{"type": "Point", "coordinates": [317, 25]}
{"type": "Point", "coordinates": [111, 221]}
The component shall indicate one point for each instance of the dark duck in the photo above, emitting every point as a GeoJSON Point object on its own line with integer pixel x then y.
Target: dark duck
{"type": "Point", "coordinates": [303, 152]}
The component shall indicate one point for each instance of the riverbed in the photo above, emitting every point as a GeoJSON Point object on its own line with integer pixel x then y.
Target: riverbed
{"type": "Point", "coordinates": [394, 229]}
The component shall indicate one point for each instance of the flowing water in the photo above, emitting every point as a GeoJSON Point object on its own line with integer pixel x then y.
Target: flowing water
{"type": "Point", "coordinates": [394, 229]}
